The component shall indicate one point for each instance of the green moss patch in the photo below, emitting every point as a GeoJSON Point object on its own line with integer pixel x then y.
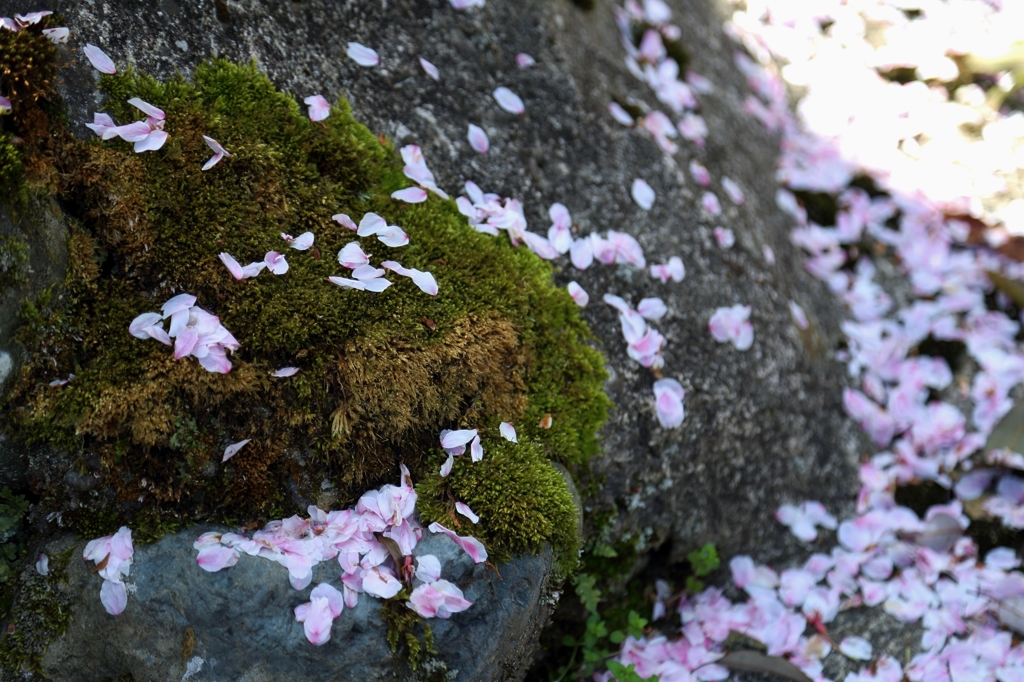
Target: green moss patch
{"type": "Point", "coordinates": [521, 499]}
{"type": "Point", "coordinates": [381, 374]}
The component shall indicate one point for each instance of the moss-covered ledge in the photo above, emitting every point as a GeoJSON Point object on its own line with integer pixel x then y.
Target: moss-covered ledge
{"type": "Point", "coordinates": [139, 436]}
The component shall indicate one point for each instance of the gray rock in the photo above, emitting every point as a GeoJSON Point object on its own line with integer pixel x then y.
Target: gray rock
{"type": "Point", "coordinates": [240, 621]}
{"type": "Point", "coordinates": [33, 256]}
{"type": "Point", "coordinates": [763, 426]}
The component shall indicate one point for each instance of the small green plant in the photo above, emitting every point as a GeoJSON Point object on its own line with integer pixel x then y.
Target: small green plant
{"type": "Point", "coordinates": [592, 646]}
{"type": "Point", "coordinates": [624, 673]}
{"type": "Point", "coordinates": [703, 562]}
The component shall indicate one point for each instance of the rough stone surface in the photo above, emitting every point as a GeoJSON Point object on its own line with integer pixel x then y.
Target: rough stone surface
{"type": "Point", "coordinates": [41, 228]}
{"type": "Point", "coordinates": [762, 427]}
{"type": "Point", "coordinates": [243, 626]}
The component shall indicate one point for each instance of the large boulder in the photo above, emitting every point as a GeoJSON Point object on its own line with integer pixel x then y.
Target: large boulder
{"type": "Point", "coordinates": [762, 427]}
{"type": "Point", "coordinates": [238, 624]}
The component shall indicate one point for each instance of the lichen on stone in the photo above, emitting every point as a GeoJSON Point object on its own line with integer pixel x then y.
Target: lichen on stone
{"type": "Point", "coordinates": [13, 262]}
{"type": "Point", "coordinates": [381, 374]}
{"type": "Point", "coordinates": [40, 614]}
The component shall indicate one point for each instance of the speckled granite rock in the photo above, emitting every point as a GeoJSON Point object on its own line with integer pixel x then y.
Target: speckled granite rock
{"type": "Point", "coordinates": [240, 622]}
{"type": "Point", "coordinates": [763, 426]}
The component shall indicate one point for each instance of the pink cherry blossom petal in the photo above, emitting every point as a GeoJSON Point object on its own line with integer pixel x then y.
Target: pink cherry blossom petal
{"type": "Point", "coordinates": [711, 204]}
{"type": "Point", "coordinates": [856, 648]}
{"type": "Point", "coordinates": [733, 190]}
{"type": "Point", "coordinates": [345, 283]}
{"type": "Point", "coordinates": [303, 242]}
{"type": "Point", "coordinates": [149, 110]}
{"type": "Point", "coordinates": [473, 547]}
{"type": "Point", "coordinates": [476, 450]}
{"type": "Point", "coordinates": [652, 308]}
{"type": "Point", "coordinates": [464, 509]}
{"type": "Point", "coordinates": [668, 402]}
{"type": "Point", "coordinates": [478, 139]}
{"type": "Point", "coordinates": [446, 468]}
{"type": "Point", "coordinates": [700, 173]}
{"type": "Point", "coordinates": [57, 36]}
{"type": "Point", "coordinates": [232, 450]}
{"type": "Point", "coordinates": [524, 61]}
{"type": "Point", "coordinates": [410, 195]}
{"type": "Point", "coordinates": [99, 59]}
{"type": "Point", "coordinates": [217, 557]}
{"type": "Point", "coordinates": [393, 236]}
{"type": "Point", "coordinates": [725, 237]}
{"type": "Point", "coordinates": [344, 221]}
{"type": "Point", "coordinates": [508, 432]}
{"type": "Point", "coordinates": [453, 439]}
{"type": "Point", "coordinates": [152, 142]}
{"type": "Point", "coordinates": [114, 597]}
{"type": "Point", "coordinates": [430, 69]}
{"type": "Point", "coordinates": [578, 295]}
{"type": "Point", "coordinates": [319, 108]}
{"type": "Point", "coordinates": [362, 55]}
{"type": "Point", "coordinates": [620, 114]}
{"type": "Point", "coordinates": [276, 262]}
{"type": "Point", "coordinates": [428, 568]}
{"type": "Point", "coordinates": [285, 372]}
{"type": "Point", "coordinates": [509, 101]}
{"type": "Point", "coordinates": [43, 565]}
{"type": "Point", "coordinates": [643, 194]}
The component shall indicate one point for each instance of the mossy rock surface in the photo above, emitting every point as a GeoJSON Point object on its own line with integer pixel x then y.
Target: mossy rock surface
{"type": "Point", "coordinates": [381, 374]}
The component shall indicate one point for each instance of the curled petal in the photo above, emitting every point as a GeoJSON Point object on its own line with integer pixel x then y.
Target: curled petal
{"type": "Point", "coordinates": [476, 450]}
{"type": "Point", "coordinates": [319, 108]}
{"type": "Point", "coordinates": [232, 265]}
{"type": "Point", "coordinates": [473, 547]}
{"type": "Point", "coordinates": [286, 372]}
{"type": "Point", "coordinates": [152, 142]}
{"type": "Point", "coordinates": [371, 224]}
{"type": "Point", "coordinates": [276, 262]}
{"type": "Point", "coordinates": [464, 509]}
{"type": "Point", "coordinates": [344, 221]}
{"type": "Point", "coordinates": [453, 439]}
{"type": "Point", "coordinates": [150, 110]}
{"type": "Point", "coordinates": [393, 236]}
{"type": "Point", "coordinates": [508, 432]}
{"type": "Point", "coordinates": [352, 256]}
{"type": "Point", "coordinates": [232, 450]}
{"type": "Point", "coordinates": [302, 242]}
{"type": "Point", "coordinates": [446, 468]}
{"type": "Point", "coordinates": [620, 114]}
{"type": "Point", "coordinates": [212, 161]}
